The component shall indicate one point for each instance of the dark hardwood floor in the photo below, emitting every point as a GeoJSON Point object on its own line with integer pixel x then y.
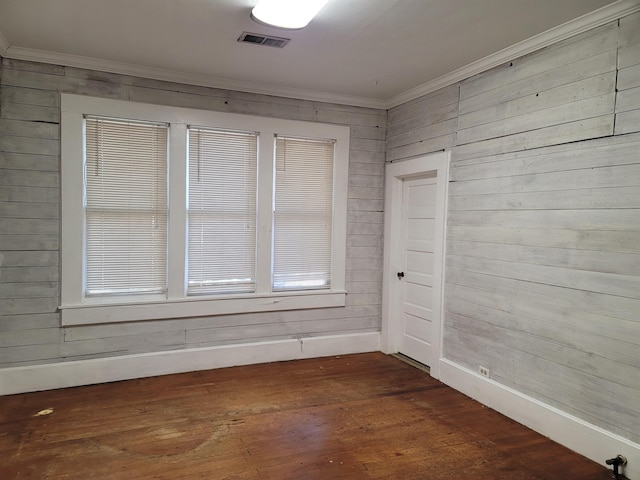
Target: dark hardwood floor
{"type": "Point", "coordinates": [351, 417]}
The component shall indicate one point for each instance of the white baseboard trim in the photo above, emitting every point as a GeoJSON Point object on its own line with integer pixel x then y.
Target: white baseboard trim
{"type": "Point", "coordinates": [582, 437]}
{"type": "Point", "coordinates": [86, 372]}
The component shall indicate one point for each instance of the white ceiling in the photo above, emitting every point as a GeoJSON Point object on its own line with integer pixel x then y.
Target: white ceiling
{"type": "Point", "coordinates": [362, 52]}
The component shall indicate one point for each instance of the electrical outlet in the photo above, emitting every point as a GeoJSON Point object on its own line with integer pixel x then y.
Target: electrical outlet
{"type": "Point", "coordinates": [484, 371]}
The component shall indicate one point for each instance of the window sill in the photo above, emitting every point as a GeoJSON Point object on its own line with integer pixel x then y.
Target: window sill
{"type": "Point", "coordinates": [94, 314]}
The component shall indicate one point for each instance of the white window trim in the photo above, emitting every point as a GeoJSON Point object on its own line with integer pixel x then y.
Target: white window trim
{"type": "Point", "coordinates": [77, 310]}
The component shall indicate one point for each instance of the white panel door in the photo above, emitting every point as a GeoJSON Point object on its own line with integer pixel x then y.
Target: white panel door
{"type": "Point", "coordinates": [418, 235]}
{"type": "Point", "coordinates": [415, 209]}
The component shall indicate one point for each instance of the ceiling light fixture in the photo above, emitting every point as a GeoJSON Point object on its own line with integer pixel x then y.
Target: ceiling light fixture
{"type": "Point", "coordinates": [290, 14]}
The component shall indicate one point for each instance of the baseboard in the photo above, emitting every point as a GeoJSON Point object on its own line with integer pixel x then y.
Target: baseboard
{"type": "Point", "coordinates": [87, 372]}
{"type": "Point", "coordinates": [582, 437]}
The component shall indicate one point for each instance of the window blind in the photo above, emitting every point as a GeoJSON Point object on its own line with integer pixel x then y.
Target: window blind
{"type": "Point", "coordinates": [222, 211]}
{"type": "Point", "coordinates": [303, 210]}
{"type": "Point", "coordinates": [125, 207]}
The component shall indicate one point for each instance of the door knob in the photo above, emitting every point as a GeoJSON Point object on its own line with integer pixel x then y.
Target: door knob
{"type": "Point", "coordinates": [400, 275]}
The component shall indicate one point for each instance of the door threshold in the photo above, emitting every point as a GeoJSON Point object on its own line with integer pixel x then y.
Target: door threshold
{"type": "Point", "coordinates": [412, 362]}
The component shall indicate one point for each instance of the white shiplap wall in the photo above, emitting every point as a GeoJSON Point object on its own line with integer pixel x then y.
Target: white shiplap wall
{"type": "Point", "coordinates": [543, 248]}
{"type": "Point", "coordinates": [628, 104]}
{"type": "Point", "coordinates": [30, 332]}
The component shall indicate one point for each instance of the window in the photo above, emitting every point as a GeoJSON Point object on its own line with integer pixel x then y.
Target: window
{"type": "Point", "coordinates": [302, 214]}
{"type": "Point", "coordinates": [125, 207]}
{"type": "Point", "coordinates": [170, 212]}
{"type": "Point", "coordinates": [222, 211]}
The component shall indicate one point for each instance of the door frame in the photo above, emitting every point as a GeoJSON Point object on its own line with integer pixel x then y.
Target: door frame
{"type": "Point", "coordinates": [395, 174]}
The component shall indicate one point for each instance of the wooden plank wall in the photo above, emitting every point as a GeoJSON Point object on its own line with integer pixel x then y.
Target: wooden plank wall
{"type": "Point", "coordinates": [628, 104]}
{"type": "Point", "coordinates": [30, 330]}
{"type": "Point", "coordinates": [543, 248]}
{"type": "Point", "coordinates": [424, 125]}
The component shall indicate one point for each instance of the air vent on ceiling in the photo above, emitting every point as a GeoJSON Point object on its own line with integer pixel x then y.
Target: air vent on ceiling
{"type": "Point", "coordinates": [258, 39]}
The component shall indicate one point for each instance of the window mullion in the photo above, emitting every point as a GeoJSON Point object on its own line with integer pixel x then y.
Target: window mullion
{"type": "Point", "coordinates": [266, 153]}
{"type": "Point", "coordinates": [339, 241]}
{"type": "Point", "coordinates": [176, 283]}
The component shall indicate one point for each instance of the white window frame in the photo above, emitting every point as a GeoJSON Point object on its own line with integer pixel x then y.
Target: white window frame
{"type": "Point", "coordinates": [79, 310]}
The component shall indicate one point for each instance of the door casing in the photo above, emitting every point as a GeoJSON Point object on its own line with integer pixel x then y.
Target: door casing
{"type": "Point", "coordinates": [395, 174]}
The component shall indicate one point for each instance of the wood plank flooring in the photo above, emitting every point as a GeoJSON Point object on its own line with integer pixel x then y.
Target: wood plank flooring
{"type": "Point", "coordinates": [352, 417]}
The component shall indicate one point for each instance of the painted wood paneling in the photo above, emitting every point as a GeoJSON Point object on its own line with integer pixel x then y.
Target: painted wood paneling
{"type": "Point", "coordinates": [628, 122]}
{"type": "Point", "coordinates": [562, 84]}
{"type": "Point", "coordinates": [588, 260]}
{"type": "Point", "coordinates": [628, 87]}
{"type": "Point", "coordinates": [36, 146]}
{"type": "Point", "coordinates": [41, 336]}
{"type": "Point", "coordinates": [570, 51]}
{"type": "Point", "coordinates": [292, 329]}
{"type": "Point", "coordinates": [28, 193]}
{"type": "Point", "coordinates": [31, 354]}
{"type": "Point", "coordinates": [590, 198]}
{"type": "Point", "coordinates": [123, 345]}
{"type": "Point", "coordinates": [543, 262]}
{"type": "Point", "coordinates": [29, 96]}
{"type": "Point", "coordinates": [29, 220]}
{"type": "Point", "coordinates": [29, 210]}
{"type": "Point", "coordinates": [24, 306]}
{"type": "Point", "coordinates": [434, 114]}
{"type": "Point", "coordinates": [580, 238]}
{"type": "Point", "coordinates": [573, 390]}
{"type": "Point", "coordinates": [629, 77]}
{"type": "Point", "coordinates": [571, 156]}
{"type": "Point", "coordinates": [543, 236]}
{"type": "Point", "coordinates": [604, 177]}
{"type": "Point", "coordinates": [552, 219]}
{"type": "Point", "coordinates": [424, 125]}
{"type": "Point", "coordinates": [596, 127]}
{"type": "Point", "coordinates": [559, 114]}
{"type": "Point", "coordinates": [29, 322]}
{"type": "Point", "coordinates": [29, 259]}
{"type": "Point", "coordinates": [545, 81]}
{"type": "Point", "coordinates": [424, 107]}
{"type": "Point", "coordinates": [20, 128]}
{"type": "Point", "coordinates": [422, 147]}
{"type": "Point", "coordinates": [628, 99]}
{"type": "Point", "coordinates": [542, 320]}
{"type": "Point", "coordinates": [21, 161]}
{"type": "Point", "coordinates": [29, 290]}
{"type": "Point", "coordinates": [540, 100]}
{"type": "Point", "coordinates": [589, 281]}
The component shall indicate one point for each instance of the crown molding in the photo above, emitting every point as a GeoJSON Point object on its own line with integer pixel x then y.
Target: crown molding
{"type": "Point", "coordinates": [579, 25]}
{"type": "Point", "coordinates": [4, 44]}
{"type": "Point", "coordinates": [43, 56]}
